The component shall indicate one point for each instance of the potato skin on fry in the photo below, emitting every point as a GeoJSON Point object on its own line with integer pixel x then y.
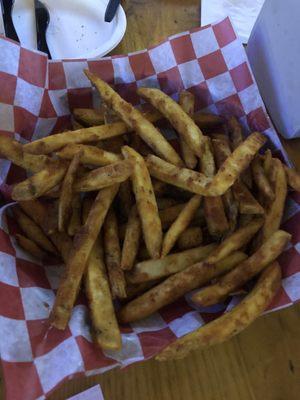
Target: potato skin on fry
{"type": "Point", "coordinates": [88, 116]}
{"type": "Point", "coordinates": [89, 154]}
{"type": "Point", "coordinates": [232, 322]}
{"type": "Point", "coordinates": [132, 239]}
{"type": "Point", "coordinates": [191, 237]}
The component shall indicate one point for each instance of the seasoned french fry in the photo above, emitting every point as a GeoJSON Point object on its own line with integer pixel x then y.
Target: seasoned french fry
{"type": "Point", "coordinates": [174, 287]}
{"type": "Point", "coordinates": [65, 198]}
{"type": "Point", "coordinates": [246, 201]}
{"type": "Point", "coordinates": [33, 231]}
{"type": "Point", "coordinates": [146, 202]}
{"type": "Point", "coordinates": [113, 256]}
{"type": "Point", "coordinates": [154, 269]}
{"type": "Point", "coordinates": [232, 322]}
{"type": "Point", "coordinates": [131, 240]}
{"type": "Point", "coordinates": [76, 264]}
{"type": "Point", "coordinates": [104, 176]}
{"type": "Point", "coordinates": [135, 120]}
{"type": "Point", "coordinates": [182, 122]}
{"type": "Point", "coordinates": [134, 290]}
{"type": "Point", "coordinates": [261, 180]}
{"type": "Point", "coordinates": [89, 116]}
{"type": "Point", "coordinates": [205, 120]}
{"type": "Point", "coordinates": [276, 209]}
{"type": "Point", "coordinates": [86, 208]}
{"type": "Point", "coordinates": [215, 216]}
{"type": "Point", "coordinates": [89, 154]}
{"type": "Point", "coordinates": [180, 224]}
{"type": "Point", "coordinates": [191, 237]}
{"type": "Point", "coordinates": [105, 328]}
{"type": "Point", "coordinates": [30, 246]}
{"type": "Point", "coordinates": [41, 182]}
{"type": "Point", "coordinates": [265, 255]}
{"type": "Point", "coordinates": [268, 162]}
{"type": "Point", "coordinates": [75, 219]}
{"type": "Point", "coordinates": [187, 103]}
{"type": "Point", "coordinates": [169, 215]}
{"type": "Point", "coordinates": [293, 178]}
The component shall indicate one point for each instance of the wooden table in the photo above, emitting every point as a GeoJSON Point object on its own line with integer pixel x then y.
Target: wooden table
{"type": "Point", "coordinates": [261, 363]}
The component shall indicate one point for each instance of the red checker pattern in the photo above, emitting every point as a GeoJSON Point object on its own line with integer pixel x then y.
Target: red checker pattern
{"type": "Point", "coordinates": [104, 69]}
{"type": "Point", "coordinates": [25, 122]}
{"type": "Point", "coordinates": [62, 123]}
{"type": "Point", "coordinates": [128, 92]}
{"type": "Point", "coordinates": [5, 244]}
{"type": "Point", "coordinates": [183, 49]}
{"type": "Point", "coordinates": [175, 310]}
{"type": "Point", "coordinates": [231, 106]}
{"type": "Point", "coordinates": [92, 356]}
{"type": "Point", "coordinates": [281, 299]}
{"type": "Point", "coordinates": [241, 77]}
{"type": "Point", "coordinates": [8, 85]}
{"type": "Point", "coordinates": [292, 226]}
{"type": "Point", "coordinates": [31, 275]}
{"type": "Point", "coordinates": [77, 97]}
{"type": "Point", "coordinates": [29, 64]}
{"type": "Point", "coordinates": [213, 64]}
{"type": "Point", "coordinates": [47, 110]}
{"type": "Point", "coordinates": [290, 262]}
{"type": "Point", "coordinates": [153, 342]}
{"type": "Point", "coordinates": [224, 32]}
{"type": "Point", "coordinates": [257, 120]}
{"type": "Point", "coordinates": [15, 174]}
{"type": "Point", "coordinates": [11, 302]}
{"type": "Point", "coordinates": [170, 81]}
{"type": "Point", "coordinates": [141, 65]}
{"type": "Point", "coordinates": [202, 94]}
{"type": "Point", "coordinates": [57, 78]}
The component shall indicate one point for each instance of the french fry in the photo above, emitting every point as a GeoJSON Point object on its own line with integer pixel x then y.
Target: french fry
{"type": "Point", "coordinates": [31, 247]}
{"type": "Point", "coordinates": [89, 116]}
{"type": "Point", "coordinates": [125, 198]}
{"type": "Point", "coordinates": [76, 264]}
{"type": "Point", "coordinates": [154, 269]}
{"type": "Point", "coordinates": [187, 103]}
{"type": "Point", "coordinates": [105, 328]}
{"type": "Point", "coordinates": [104, 176]}
{"type": "Point", "coordinates": [41, 182]}
{"type": "Point", "coordinates": [134, 290]}
{"type": "Point", "coordinates": [146, 202]}
{"type": "Point", "coordinates": [180, 224]}
{"type": "Point", "coordinates": [182, 122]}
{"type": "Point", "coordinates": [169, 214]}
{"type": "Point", "coordinates": [246, 201]}
{"type": "Point", "coordinates": [135, 120]}
{"type": "Point", "coordinates": [33, 231]}
{"type": "Point", "coordinates": [174, 287]}
{"type": "Point", "coordinates": [205, 120]}
{"type": "Point", "coordinates": [66, 193]}
{"type": "Point", "coordinates": [276, 209]}
{"type": "Point", "coordinates": [131, 240]}
{"type": "Point", "coordinates": [75, 219]}
{"type": "Point", "coordinates": [232, 322]}
{"type": "Point", "coordinates": [233, 280]}
{"type": "Point", "coordinates": [89, 155]}
{"type": "Point", "coordinates": [268, 162]}
{"type": "Point", "coordinates": [293, 178]}
{"type": "Point", "coordinates": [112, 252]}
{"type": "Point", "coordinates": [261, 180]}
{"type": "Point", "coordinates": [191, 237]}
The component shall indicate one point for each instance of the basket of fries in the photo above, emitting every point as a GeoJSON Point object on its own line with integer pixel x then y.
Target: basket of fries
{"type": "Point", "coordinates": [147, 208]}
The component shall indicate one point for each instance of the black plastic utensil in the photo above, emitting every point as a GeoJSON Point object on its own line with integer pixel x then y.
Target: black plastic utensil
{"type": "Point", "coordinates": [7, 7]}
{"type": "Point", "coordinates": [42, 19]}
{"type": "Point", "coordinates": [111, 10]}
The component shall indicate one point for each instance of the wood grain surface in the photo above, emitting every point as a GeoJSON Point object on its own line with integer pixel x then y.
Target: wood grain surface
{"type": "Point", "coordinates": [261, 363]}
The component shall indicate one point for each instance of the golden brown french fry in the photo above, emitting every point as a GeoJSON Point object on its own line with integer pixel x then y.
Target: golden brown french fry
{"type": "Point", "coordinates": [180, 224]}
{"type": "Point", "coordinates": [33, 231]}
{"type": "Point", "coordinates": [76, 264]}
{"type": "Point", "coordinates": [276, 209]}
{"type": "Point", "coordinates": [86, 208]}
{"type": "Point", "coordinates": [134, 290]}
{"type": "Point", "coordinates": [146, 202]}
{"type": "Point", "coordinates": [268, 162]}
{"type": "Point", "coordinates": [232, 322]}
{"type": "Point", "coordinates": [182, 122]}
{"type": "Point", "coordinates": [105, 328]}
{"type": "Point", "coordinates": [191, 237]}
{"type": "Point", "coordinates": [132, 238]}
{"type": "Point", "coordinates": [154, 269]}
{"type": "Point", "coordinates": [246, 201]}
{"type": "Point", "coordinates": [187, 103]}
{"type": "Point", "coordinates": [104, 176]}
{"type": "Point", "coordinates": [174, 287]}
{"type": "Point", "coordinates": [125, 199]}
{"type": "Point", "coordinates": [30, 246]}
{"type": "Point", "coordinates": [66, 193]}
{"type": "Point", "coordinates": [206, 120]}
{"type": "Point", "coordinates": [41, 182]}
{"type": "Point", "coordinates": [233, 280]}
{"type": "Point", "coordinates": [112, 252]}
{"type": "Point", "coordinates": [89, 116]}
{"type": "Point", "coordinates": [215, 216]}
{"type": "Point", "coordinates": [75, 219]}
{"type": "Point", "coordinates": [90, 154]}
{"type": "Point", "coordinates": [169, 214]}
{"type": "Point", "coordinates": [261, 180]}
{"type": "Point", "coordinates": [13, 151]}
{"type": "Point", "coordinates": [293, 178]}
{"type": "Point", "coordinates": [135, 120]}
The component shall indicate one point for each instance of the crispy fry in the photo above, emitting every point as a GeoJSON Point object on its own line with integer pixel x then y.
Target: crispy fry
{"type": "Point", "coordinates": [146, 202]}
{"type": "Point", "coordinates": [233, 280]}
{"type": "Point", "coordinates": [105, 328]}
{"type": "Point", "coordinates": [113, 256]}
{"type": "Point", "coordinates": [131, 240]}
{"type": "Point", "coordinates": [89, 154]}
{"type": "Point", "coordinates": [276, 209]}
{"type": "Point", "coordinates": [293, 178]}
{"type": "Point", "coordinates": [41, 182]}
{"type": "Point", "coordinates": [89, 116]}
{"type": "Point", "coordinates": [246, 201]}
{"type": "Point", "coordinates": [154, 269]}
{"type": "Point", "coordinates": [86, 208]}
{"type": "Point", "coordinates": [135, 120]}
{"type": "Point", "coordinates": [191, 237]}
{"type": "Point", "coordinates": [134, 290]}
{"type": "Point", "coordinates": [104, 176]}
{"type": "Point", "coordinates": [268, 162]}
{"type": "Point", "coordinates": [206, 120]}
{"type": "Point", "coordinates": [174, 287]}
{"type": "Point", "coordinates": [82, 246]}
{"type": "Point", "coordinates": [232, 322]}
{"type": "Point", "coordinates": [30, 246]}
{"type": "Point", "coordinates": [169, 215]}
{"type": "Point", "coordinates": [182, 122]}
{"type": "Point", "coordinates": [261, 180]}
{"type": "Point", "coordinates": [33, 231]}
{"type": "Point", "coordinates": [180, 224]}
{"type": "Point", "coordinates": [75, 219]}
{"type": "Point", "coordinates": [215, 216]}
{"type": "Point", "coordinates": [66, 193]}
{"type": "Point", "coordinates": [187, 103]}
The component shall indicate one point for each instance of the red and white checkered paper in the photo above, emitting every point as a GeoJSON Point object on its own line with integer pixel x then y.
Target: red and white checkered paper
{"type": "Point", "coordinates": [35, 100]}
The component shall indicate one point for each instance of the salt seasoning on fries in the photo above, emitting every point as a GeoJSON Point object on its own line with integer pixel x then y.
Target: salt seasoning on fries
{"type": "Point", "coordinates": [261, 180]}
{"type": "Point", "coordinates": [90, 154]}
{"type": "Point", "coordinates": [132, 239]}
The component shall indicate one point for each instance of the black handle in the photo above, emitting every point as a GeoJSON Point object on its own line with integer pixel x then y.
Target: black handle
{"type": "Point", "coordinates": [42, 22]}
{"type": "Point", "coordinates": [10, 32]}
{"type": "Point", "coordinates": [111, 10]}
